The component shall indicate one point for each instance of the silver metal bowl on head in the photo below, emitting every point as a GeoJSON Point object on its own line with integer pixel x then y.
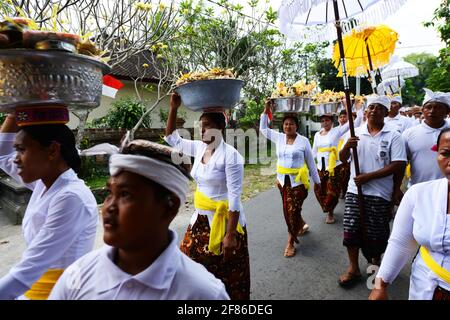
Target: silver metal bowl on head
{"type": "Point", "coordinates": [326, 108]}
{"type": "Point", "coordinates": [215, 93]}
{"type": "Point", "coordinates": [56, 45]}
{"type": "Point", "coordinates": [38, 77]}
{"type": "Point", "coordinates": [292, 104]}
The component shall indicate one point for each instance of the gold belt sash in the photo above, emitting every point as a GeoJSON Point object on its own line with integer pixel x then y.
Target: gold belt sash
{"type": "Point", "coordinates": [40, 290]}
{"type": "Point", "coordinates": [332, 159]}
{"type": "Point", "coordinates": [302, 174]}
{"type": "Point", "coordinates": [441, 272]}
{"type": "Point", "coordinates": [219, 221]}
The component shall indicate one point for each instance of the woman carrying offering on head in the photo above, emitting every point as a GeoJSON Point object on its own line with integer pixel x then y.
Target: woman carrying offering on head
{"type": "Point", "coordinates": [294, 164]}
{"type": "Point", "coordinates": [61, 218]}
{"type": "Point", "coordinates": [216, 236]}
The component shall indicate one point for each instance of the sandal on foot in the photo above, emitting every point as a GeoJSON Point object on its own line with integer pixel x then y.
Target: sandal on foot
{"type": "Point", "coordinates": [289, 252]}
{"type": "Point", "coordinates": [304, 230]}
{"type": "Point", "coordinates": [329, 220]}
{"type": "Point", "coordinates": [350, 279]}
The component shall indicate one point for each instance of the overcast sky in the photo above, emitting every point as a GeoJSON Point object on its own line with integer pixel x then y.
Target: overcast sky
{"type": "Point", "coordinates": [408, 22]}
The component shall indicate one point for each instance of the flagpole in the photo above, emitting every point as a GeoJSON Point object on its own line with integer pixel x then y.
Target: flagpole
{"type": "Point", "coordinates": [349, 109]}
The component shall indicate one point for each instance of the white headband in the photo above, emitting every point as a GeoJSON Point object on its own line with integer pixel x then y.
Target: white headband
{"type": "Point", "coordinates": [383, 100]}
{"type": "Point", "coordinates": [397, 99]}
{"type": "Point", "coordinates": [442, 97]}
{"type": "Point", "coordinates": [158, 171]}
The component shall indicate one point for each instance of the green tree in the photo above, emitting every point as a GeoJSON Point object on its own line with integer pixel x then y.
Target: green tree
{"type": "Point", "coordinates": [124, 114]}
{"type": "Point", "coordinates": [412, 92]}
{"type": "Point", "coordinates": [328, 79]}
{"type": "Point", "coordinates": [439, 79]}
{"type": "Point", "coordinates": [227, 36]}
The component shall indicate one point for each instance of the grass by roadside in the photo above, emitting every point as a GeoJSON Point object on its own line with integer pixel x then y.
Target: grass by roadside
{"type": "Point", "coordinates": [257, 178]}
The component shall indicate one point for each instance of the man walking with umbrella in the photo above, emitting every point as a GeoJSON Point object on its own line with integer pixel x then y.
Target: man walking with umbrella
{"type": "Point", "coordinates": [382, 156]}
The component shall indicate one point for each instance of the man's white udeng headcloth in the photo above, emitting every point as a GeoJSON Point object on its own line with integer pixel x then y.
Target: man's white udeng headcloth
{"type": "Point", "coordinates": [442, 97]}
{"type": "Point", "coordinates": [383, 100]}
{"type": "Point", "coordinates": [158, 171]}
{"type": "Point", "coordinates": [397, 99]}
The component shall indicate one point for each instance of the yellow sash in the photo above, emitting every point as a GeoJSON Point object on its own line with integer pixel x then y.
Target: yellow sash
{"type": "Point", "coordinates": [219, 221]}
{"type": "Point", "coordinates": [408, 171]}
{"type": "Point", "coordinates": [341, 142]}
{"type": "Point", "coordinates": [332, 159]}
{"type": "Point", "coordinates": [433, 265]}
{"type": "Point", "coordinates": [40, 290]}
{"type": "Point", "coordinates": [302, 174]}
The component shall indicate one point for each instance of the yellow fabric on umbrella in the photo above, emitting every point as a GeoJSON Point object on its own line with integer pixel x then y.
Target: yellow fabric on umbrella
{"type": "Point", "coordinates": [381, 42]}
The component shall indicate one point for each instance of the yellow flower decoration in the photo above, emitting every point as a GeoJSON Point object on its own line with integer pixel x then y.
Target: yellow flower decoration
{"type": "Point", "coordinates": [143, 6]}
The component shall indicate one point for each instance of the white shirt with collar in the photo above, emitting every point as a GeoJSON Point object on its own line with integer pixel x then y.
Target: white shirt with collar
{"type": "Point", "coordinates": [415, 122]}
{"type": "Point", "coordinates": [399, 122]}
{"type": "Point", "coordinates": [331, 139]}
{"type": "Point", "coordinates": [172, 276]}
{"type": "Point", "coordinates": [374, 153]}
{"type": "Point", "coordinates": [418, 141]}
{"type": "Point", "coordinates": [421, 219]}
{"type": "Point", "coordinates": [290, 156]}
{"type": "Point", "coordinates": [59, 224]}
{"type": "Point", "coordinates": [220, 179]}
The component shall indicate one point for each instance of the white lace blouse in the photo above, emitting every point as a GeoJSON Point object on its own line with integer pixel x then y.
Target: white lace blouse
{"type": "Point", "coordinates": [220, 179]}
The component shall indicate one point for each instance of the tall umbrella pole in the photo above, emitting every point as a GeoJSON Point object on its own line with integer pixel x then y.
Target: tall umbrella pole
{"type": "Point", "coordinates": [374, 80]}
{"type": "Point", "coordinates": [349, 109]}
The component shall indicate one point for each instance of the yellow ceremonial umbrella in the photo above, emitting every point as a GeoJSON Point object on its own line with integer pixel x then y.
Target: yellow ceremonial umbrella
{"type": "Point", "coordinates": [366, 49]}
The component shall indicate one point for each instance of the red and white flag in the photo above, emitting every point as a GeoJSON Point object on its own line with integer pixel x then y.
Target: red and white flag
{"type": "Point", "coordinates": [110, 86]}
{"type": "Point", "coordinates": [270, 115]}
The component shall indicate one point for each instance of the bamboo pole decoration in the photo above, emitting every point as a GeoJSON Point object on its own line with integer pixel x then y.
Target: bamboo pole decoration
{"type": "Point", "coordinates": [349, 110]}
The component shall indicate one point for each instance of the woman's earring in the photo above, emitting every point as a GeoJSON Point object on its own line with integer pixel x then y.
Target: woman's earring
{"type": "Point", "coordinates": [170, 201]}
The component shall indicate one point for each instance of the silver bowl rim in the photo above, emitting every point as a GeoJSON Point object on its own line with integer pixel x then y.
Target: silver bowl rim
{"type": "Point", "coordinates": [14, 53]}
{"type": "Point", "coordinates": [293, 97]}
{"type": "Point", "coordinates": [321, 104]}
{"type": "Point", "coordinates": [208, 80]}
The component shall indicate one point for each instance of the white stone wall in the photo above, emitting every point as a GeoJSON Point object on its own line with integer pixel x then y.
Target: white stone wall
{"type": "Point", "coordinates": [129, 90]}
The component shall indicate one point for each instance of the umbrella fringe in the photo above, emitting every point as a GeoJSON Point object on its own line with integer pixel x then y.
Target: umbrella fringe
{"type": "Point", "coordinates": [290, 9]}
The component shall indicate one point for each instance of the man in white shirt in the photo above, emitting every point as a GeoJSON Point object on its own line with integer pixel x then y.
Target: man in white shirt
{"type": "Point", "coordinates": [382, 159]}
{"type": "Point", "coordinates": [394, 118]}
{"type": "Point", "coordinates": [420, 140]}
{"type": "Point", "coordinates": [142, 260]}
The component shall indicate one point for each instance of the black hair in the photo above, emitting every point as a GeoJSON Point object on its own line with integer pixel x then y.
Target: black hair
{"type": "Point", "coordinates": [329, 116]}
{"type": "Point", "coordinates": [293, 117]}
{"type": "Point", "coordinates": [343, 112]}
{"type": "Point", "coordinates": [161, 153]}
{"type": "Point", "coordinates": [217, 118]}
{"type": "Point", "coordinates": [60, 133]}
{"type": "Point", "coordinates": [441, 134]}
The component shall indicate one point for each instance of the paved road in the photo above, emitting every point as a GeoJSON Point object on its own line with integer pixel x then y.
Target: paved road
{"type": "Point", "coordinates": [311, 274]}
